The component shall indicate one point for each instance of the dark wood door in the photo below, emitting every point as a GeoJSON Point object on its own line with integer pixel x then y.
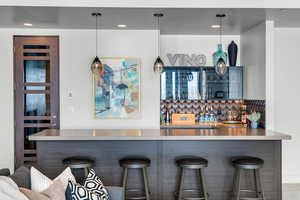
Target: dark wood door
{"type": "Point", "coordinates": [36, 79]}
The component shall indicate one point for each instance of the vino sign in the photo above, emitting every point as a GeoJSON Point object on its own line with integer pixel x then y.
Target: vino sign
{"type": "Point", "coordinates": [186, 59]}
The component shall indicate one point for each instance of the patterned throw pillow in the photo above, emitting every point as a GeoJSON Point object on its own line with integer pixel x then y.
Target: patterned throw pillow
{"type": "Point", "coordinates": [78, 192]}
{"type": "Point", "coordinates": [94, 184]}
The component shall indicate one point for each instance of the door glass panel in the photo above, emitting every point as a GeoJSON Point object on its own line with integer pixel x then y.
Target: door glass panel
{"type": "Point", "coordinates": [36, 71]}
{"type": "Point", "coordinates": [36, 88]}
{"type": "Point", "coordinates": [37, 121]}
{"type": "Point", "coordinates": [35, 54]}
{"type": "Point", "coordinates": [36, 104]}
{"type": "Point", "coordinates": [36, 46]}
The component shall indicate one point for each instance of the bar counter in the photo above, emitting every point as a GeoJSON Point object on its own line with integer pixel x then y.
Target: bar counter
{"type": "Point", "coordinates": [222, 133]}
{"type": "Point", "coordinates": [163, 147]}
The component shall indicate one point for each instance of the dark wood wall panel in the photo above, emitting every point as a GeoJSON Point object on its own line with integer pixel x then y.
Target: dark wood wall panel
{"type": "Point", "coordinates": [163, 171]}
{"type": "Point", "coordinates": [106, 155]}
{"type": "Point", "coordinates": [219, 174]}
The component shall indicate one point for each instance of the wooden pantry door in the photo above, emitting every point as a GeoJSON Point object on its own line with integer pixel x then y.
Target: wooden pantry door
{"type": "Point", "coordinates": [36, 91]}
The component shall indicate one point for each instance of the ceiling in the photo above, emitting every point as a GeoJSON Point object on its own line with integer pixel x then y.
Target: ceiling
{"type": "Point", "coordinates": [176, 20]}
{"type": "Point", "coordinates": [289, 18]}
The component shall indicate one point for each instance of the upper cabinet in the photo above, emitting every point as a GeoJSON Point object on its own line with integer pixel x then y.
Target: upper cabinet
{"type": "Point", "coordinates": [201, 83]}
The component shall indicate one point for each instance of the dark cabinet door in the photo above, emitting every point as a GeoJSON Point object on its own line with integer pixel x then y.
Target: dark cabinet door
{"type": "Point", "coordinates": [201, 83]}
{"type": "Point", "coordinates": [36, 84]}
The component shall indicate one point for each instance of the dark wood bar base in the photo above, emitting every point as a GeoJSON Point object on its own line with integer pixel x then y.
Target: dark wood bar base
{"type": "Point", "coordinates": [163, 172]}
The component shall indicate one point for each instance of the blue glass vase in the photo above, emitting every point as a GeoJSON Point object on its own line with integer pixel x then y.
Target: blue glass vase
{"type": "Point", "coordinates": [254, 124]}
{"type": "Point", "coordinates": [220, 60]}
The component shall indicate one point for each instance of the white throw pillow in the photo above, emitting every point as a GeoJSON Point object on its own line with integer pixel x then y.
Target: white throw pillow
{"type": "Point", "coordinates": [9, 190]}
{"type": "Point", "coordinates": [40, 182]}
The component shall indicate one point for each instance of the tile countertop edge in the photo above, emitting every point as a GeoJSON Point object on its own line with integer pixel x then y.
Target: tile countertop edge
{"type": "Point", "coordinates": [42, 136]}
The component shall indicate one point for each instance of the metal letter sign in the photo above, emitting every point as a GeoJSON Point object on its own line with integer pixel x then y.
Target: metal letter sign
{"type": "Point", "coordinates": [186, 59]}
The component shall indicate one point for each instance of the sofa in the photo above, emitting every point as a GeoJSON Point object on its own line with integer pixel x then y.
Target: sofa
{"type": "Point", "coordinates": [22, 178]}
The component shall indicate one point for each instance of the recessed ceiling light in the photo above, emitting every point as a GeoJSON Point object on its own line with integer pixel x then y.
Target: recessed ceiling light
{"type": "Point", "coordinates": [122, 25]}
{"type": "Point", "coordinates": [215, 26]}
{"type": "Point", "coordinates": [27, 24]}
{"type": "Point", "coordinates": [283, 10]}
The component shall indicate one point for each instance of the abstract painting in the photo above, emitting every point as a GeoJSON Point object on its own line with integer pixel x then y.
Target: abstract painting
{"type": "Point", "coordinates": [117, 92]}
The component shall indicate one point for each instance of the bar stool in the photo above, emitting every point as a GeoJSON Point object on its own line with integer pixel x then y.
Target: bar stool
{"type": "Point", "coordinates": [79, 162]}
{"type": "Point", "coordinates": [136, 163]}
{"type": "Point", "coordinates": [247, 164]}
{"type": "Point", "coordinates": [193, 163]}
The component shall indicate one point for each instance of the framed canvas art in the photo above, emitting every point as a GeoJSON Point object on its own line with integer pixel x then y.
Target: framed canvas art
{"type": "Point", "coordinates": [117, 92]}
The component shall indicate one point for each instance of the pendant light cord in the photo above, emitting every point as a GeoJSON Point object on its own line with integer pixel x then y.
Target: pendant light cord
{"type": "Point", "coordinates": [221, 27]}
{"type": "Point", "coordinates": [158, 16]}
{"type": "Point", "coordinates": [96, 35]}
{"type": "Point", "coordinates": [158, 39]}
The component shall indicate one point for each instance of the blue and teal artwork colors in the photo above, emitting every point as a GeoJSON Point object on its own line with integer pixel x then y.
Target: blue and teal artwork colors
{"type": "Point", "coordinates": [117, 94]}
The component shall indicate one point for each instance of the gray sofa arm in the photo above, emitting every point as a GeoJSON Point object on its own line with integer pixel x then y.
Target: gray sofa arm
{"type": "Point", "coordinates": [21, 176]}
{"type": "Point", "coordinates": [115, 193]}
{"type": "Point", "coordinates": [4, 172]}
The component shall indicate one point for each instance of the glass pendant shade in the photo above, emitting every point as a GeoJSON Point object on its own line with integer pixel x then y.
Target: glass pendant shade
{"type": "Point", "coordinates": [97, 67]}
{"type": "Point", "coordinates": [220, 60]}
{"type": "Point", "coordinates": [221, 67]}
{"type": "Point", "coordinates": [158, 65]}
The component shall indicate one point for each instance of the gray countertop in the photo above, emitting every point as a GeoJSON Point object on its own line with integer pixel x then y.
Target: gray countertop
{"type": "Point", "coordinates": [224, 133]}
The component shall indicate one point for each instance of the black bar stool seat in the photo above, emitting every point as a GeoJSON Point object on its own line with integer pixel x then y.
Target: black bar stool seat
{"type": "Point", "coordinates": [192, 163]}
{"type": "Point", "coordinates": [196, 164]}
{"type": "Point", "coordinates": [135, 163]}
{"type": "Point", "coordinates": [247, 162]}
{"type": "Point", "coordinates": [140, 164]}
{"type": "Point", "coordinates": [77, 163]}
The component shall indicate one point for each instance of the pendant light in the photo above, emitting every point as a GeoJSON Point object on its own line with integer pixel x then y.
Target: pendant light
{"type": "Point", "coordinates": [97, 67]}
{"type": "Point", "coordinates": [158, 64]}
{"type": "Point", "coordinates": [220, 57]}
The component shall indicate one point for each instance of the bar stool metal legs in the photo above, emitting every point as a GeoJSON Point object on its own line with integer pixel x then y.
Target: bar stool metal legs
{"type": "Point", "coordinates": [197, 164]}
{"type": "Point", "coordinates": [236, 184]}
{"type": "Point", "coordinates": [146, 183]}
{"type": "Point", "coordinates": [258, 185]}
{"type": "Point", "coordinates": [180, 188]}
{"type": "Point", "coordinates": [124, 185]}
{"type": "Point", "coordinates": [203, 184]}
{"type": "Point", "coordinates": [243, 164]}
{"type": "Point", "coordinates": [140, 164]}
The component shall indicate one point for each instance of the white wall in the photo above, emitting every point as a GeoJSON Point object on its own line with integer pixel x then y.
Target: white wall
{"type": "Point", "coordinates": [6, 102]}
{"type": "Point", "coordinates": [195, 44]}
{"type": "Point", "coordinates": [77, 48]}
{"type": "Point", "coordinates": [253, 43]}
{"type": "Point", "coordinates": [270, 82]}
{"type": "Point", "coordinates": [287, 97]}
{"type": "Point", "coordinates": [76, 53]}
